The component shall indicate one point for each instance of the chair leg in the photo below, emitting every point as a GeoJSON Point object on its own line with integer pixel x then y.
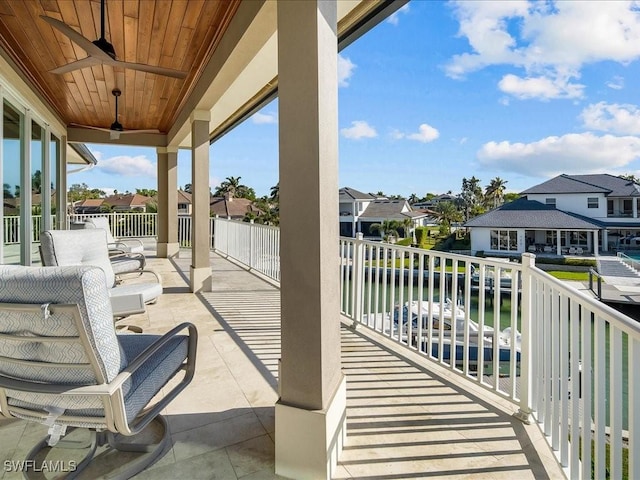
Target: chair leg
{"type": "Point", "coordinates": [94, 442]}
{"type": "Point", "coordinates": [149, 453]}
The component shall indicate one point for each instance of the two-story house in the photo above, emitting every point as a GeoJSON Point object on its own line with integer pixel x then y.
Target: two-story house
{"type": "Point", "coordinates": [566, 214]}
{"type": "Point", "coordinates": [358, 211]}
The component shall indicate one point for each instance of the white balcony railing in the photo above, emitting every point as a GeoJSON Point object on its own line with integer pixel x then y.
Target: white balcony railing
{"type": "Point", "coordinates": [567, 362]}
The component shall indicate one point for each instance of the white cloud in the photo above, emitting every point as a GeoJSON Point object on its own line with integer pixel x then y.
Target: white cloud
{"type": "Point", "coordinates": [575, 152]}
{"type": "Point", "coordinates": [394, 18]}
{"type": "Point", "coordinates": [616, 83]}
{"type": "Point", "coordinates": [543, 88]}
{"type": "Point", "coordinates": [612, 117]}
{"type": "Point", "coordinates": [345, 70]}
{"type": "Point", "coordinates": [260, 118]}
{"type": "Point", "coordinates": [548, 40]}
{"type": "Point", "coordinates": [426, 133]}
{"type": "Point", "coordinates": [139, 166]}
{"type": "Point", "coordinates": [359, 129]}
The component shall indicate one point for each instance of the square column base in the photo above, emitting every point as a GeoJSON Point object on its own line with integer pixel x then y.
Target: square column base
{"type": "Point", "coordinates": [200, 279]}
{"type": "Point", "coordinates": [168, 250]}
{"type": "Point", "coordinates": [309, 442]}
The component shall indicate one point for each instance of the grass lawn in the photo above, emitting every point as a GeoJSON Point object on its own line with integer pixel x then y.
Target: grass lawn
{"type": "Point", "coordinates": [575, 276]}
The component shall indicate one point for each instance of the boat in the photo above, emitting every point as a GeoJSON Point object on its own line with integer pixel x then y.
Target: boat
{"type": "Point", "coordinates": [448, 310]}
{"type": "Point", "coordinates": [442, 318]}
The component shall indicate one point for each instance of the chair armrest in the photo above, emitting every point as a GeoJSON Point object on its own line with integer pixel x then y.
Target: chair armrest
{"type": "Point", "coordinates": [125, 305]}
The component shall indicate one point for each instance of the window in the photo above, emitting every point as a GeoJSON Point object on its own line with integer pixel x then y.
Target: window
{"type": "Point", "coordinates": [609, 207]}
{"type": "Point", "coordinates": [592, 202]}
{"type": "Point", "coordinates": [627, 207]}
{"type": "Point", "coordinates": [506, 240]}
{"type": "Point", "coordinates": [551, 202]}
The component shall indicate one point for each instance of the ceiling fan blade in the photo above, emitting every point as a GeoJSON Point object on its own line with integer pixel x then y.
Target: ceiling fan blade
{"type": "Point", "coordinates": [167, 72]}
{"type": "Point", "coordinates": [91, 127]}
{"type": "Point", "coordinates": [82, 63]}
{"type": "Point", "coordinates": [148, 130]}
{"type": "Point", "coordinates": [83, 42]}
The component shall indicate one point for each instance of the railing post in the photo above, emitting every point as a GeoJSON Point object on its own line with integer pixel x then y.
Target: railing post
{"type": "Point", "coordinates": [357, 270]}
{"type": "Point", "coordinates": [251, 243]}
{"type": "Point", "coordinates": [524, 413]}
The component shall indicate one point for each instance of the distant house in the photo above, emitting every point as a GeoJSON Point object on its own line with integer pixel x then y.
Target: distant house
{"type": "Point", "coordinates": [184, 202]}
{"type": "Point", "coordinates": [130, 202]}
{"type": "Point", "coordinates": [431, 204]}
{"type": "Point", "coordinates": [569, 212]}
{"type": "Point", "coordinates": [358, 211]}
{"type": "Point", "coordinates": [230, 207]}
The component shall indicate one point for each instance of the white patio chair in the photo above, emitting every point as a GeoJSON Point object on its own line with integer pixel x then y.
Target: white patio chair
{"type": "Point", "coordinates": [129, 245]}
{"type": "Point", "coordinates": [62, 364]}
{"type": "Point", "coordinates": [89, 247]}
{"type": "Point", "coordinates": [572, 250]}
{"type": "Point", "coordinates": [579, 251]}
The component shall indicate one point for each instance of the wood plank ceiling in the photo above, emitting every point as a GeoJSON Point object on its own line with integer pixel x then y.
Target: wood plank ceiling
{"type": "Point", "coordinates": [176, 34]}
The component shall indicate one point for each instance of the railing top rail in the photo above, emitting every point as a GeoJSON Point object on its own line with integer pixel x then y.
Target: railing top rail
{"type": "Point", "coordinates": [489, 262]}
{"type": "Point", "coordinates": [240, 222]}
{"type": "Point", "coordinates": [602, 310]}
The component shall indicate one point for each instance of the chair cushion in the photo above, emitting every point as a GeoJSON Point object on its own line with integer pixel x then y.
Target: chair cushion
{"type": "Point", "coordinates": [147, 381]}
{"type": "Point", "coordinates": [77, 247]}
{"type": "Point", "coordinates": [149, 291]}
{"type": "Point", "coordinates": [125, 264]}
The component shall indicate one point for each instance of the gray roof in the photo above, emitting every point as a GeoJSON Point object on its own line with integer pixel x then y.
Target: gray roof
{"type": "Point", "coordinates": [389, 209]}
{"type": "Point", "coordinates": [347, 194]}
{"type": "Point", "coordinates": [523, 213]}
{"type": "Point", "coordinates": [610, 185]}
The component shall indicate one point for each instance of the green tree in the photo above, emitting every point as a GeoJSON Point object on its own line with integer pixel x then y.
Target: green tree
{"type": "Point", "coordinates": [471, 197]}
{"type": "Point", "coordinates": [413, 198]}
{"type": "Point", "coordinates": [7, 190]}
{"type": "Point", "coordinates": [385, 229]}
{"type": "Point", "coordinates": [187, 187]}
{"type": "Point", "coordinates": [147, 192]}
{"type": "Point", "coordinates": [447, 214]}
{"type": "Point", "coordinates": [494, 192]}
{"type": "Point", "coordinates": [631, 177]}
{"type": "Point", "coordinates": [510, 197]}
{"type": "Point", "coordinates": [233, 187]}
{"type": "Point", "coordinates": [80, 191]}
{"type": "Point", "coordinates": [36, 182]}
{"type": "Point", "coordinates": [406, 225]}
{"type": "Point", "coordinates": [275, 193]}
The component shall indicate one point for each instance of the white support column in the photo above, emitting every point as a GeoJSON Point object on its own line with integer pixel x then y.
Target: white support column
{"type": "Point", "coordinates": [311, 411]}
{"type": "Point", "coordinates": [595, 242]}
{"type": "Point", "coordinates": [62, 213]}
{"type": "Point", "coordinates": [200, 272]}
{"type": "Point", "coordinates": [26, 224]}
{"type": "Point", "coordinates": [558, 240]}
{"type": "Point", "coordinates": [45, 185]}
{"type": "Point", "coordinates": [634, 207]}
{"type": "Point", "coordinates": [605, 240]}
{"type": "Point", "coordinates": [168, 202]}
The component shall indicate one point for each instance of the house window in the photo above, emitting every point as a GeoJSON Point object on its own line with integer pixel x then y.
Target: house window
{"type": "Point", "coordinates": [627, 207]}
{"type": "Point", "coordinates": [592, 202]}
{"type": "Point", "coordinates": [506, 240]}
{"type": "Point", "coordinates": [551, 202]}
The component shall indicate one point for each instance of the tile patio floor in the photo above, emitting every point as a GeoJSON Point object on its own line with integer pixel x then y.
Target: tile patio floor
{"type": "Point", "coordinates": [406, 419]}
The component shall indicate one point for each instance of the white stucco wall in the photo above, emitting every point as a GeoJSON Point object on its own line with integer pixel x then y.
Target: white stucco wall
{"type": "Point", "coordinates": [481, 240]}
{"type": "Point", "coordinates": [576, 203]}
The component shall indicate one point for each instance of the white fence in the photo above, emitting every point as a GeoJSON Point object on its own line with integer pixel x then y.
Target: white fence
{"type": "Point", "coordinates": [569, 362]}
{"type": "Point", "coordinates": [11, 232]}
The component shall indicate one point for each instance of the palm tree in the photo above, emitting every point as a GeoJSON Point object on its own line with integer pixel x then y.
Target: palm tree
{"type": "Point", "coordinates": [494, 192]}
{"type": "Point", "coordinates": [275, 192]}
{"type": "Point", "coordinates": [413, 198]}
{"type": "Point", "coordinates": [407, 225]}
{"type": "Point", "coordinates": [448, 214]}
{"type": "Point", "coordinates": [385, 229]}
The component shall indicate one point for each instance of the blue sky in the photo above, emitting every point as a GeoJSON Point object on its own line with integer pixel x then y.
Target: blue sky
{"type": "Point", "coordinates": [445, 90]}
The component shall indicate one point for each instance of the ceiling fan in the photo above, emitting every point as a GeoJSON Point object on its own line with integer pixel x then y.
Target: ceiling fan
{"type": "Point", "coordinates": [116, 128]}
{"type": "Point", "coordinates": [101, 51]}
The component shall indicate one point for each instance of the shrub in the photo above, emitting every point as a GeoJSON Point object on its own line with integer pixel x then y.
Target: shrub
{"type": "Point", "coordinates": [576, 262]}
{"type": "Point", "coordinates": [421, 235]}
{"type": "Point", "coordinates": [404, 242]}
